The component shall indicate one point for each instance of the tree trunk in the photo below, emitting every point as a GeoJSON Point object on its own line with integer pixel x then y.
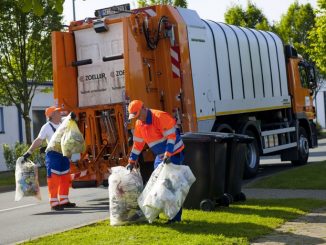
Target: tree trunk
{"type": "Point", "coordinates": [28, 134]}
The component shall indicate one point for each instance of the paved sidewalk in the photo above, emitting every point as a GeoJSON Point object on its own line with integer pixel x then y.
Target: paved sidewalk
{"type": "Point", "coordinates": [309, 229]}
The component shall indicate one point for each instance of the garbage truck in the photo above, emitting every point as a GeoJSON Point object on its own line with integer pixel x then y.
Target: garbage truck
{"type": "Point", "coordinates": [211, 76]}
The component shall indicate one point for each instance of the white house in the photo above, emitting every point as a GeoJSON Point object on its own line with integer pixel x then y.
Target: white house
{"type": "Point", "coordinates": [12, 127]}
{"type": "Point", "coordinates": [320, 103]}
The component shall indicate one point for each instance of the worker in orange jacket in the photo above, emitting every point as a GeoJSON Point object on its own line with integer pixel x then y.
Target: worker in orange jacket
{"type": "Point", "coordinates": [58, 166]}
{"type": "Point", "coordinates": [158, 130]}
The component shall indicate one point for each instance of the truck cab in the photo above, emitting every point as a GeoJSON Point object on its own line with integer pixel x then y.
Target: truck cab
{"type": "Point", "coordinates": [302, 82]}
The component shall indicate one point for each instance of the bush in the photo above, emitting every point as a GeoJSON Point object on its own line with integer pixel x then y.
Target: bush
{"type": "Point", "coordinates": [11, 153]}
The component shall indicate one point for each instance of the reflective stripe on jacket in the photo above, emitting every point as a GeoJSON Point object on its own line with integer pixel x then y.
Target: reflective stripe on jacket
{"type": "Point", "coordinates": [159, 132]}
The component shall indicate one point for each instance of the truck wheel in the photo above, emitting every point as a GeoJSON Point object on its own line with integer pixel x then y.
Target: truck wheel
{"type": "Point", "coordinates": [303, 148]}
{"type": "Point", "coordinates": [252, 158]}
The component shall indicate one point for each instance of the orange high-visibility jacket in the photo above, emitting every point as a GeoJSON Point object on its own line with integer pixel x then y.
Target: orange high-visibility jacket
{"type": "Point", "coordinates": [159, 132]}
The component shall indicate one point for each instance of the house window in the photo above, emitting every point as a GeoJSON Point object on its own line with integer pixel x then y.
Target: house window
{"type": "Point", "coordinates": [39, 120]}
{"type": "Point", "coordinates": [2, 124]}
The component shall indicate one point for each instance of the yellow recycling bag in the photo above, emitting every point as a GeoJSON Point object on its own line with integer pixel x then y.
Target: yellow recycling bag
{"type": "Point", "coordinates": [72, 140]}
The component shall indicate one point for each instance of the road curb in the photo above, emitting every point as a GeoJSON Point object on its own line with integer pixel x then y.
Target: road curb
{"type": "Point", "coordinates": [63, 230]}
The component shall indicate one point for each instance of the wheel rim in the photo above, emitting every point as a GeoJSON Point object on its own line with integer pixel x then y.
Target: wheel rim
{"type": "Point", "coordinates": [251, 156]}
{"type": "Point", "coordinates": [304, 145]}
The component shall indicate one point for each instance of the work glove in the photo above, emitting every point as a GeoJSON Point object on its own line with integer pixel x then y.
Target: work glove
{"type": "Point", "coordinates": [42, 149]}
{"type": "Point", "coordinates": [130, 167]}
{"type": "Point", "coordinates": [26, 155]}
{"type": "Point", "coordinates": [166, 159]}
{"type": "Point", "coordinates": [73, 115]}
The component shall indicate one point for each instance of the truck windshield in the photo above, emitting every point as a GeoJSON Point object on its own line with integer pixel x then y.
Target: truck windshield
{"type": "Point", "coordinates": [303, 75]}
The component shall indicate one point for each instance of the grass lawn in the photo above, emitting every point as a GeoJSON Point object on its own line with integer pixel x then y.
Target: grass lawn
{"type": "Point", "coordinates": [322, 135]}
{"type": "Point", "coordinates": [310, 176]}
{"type": "Point", "coordinates": [7, 179]}
{"type": "Point", "coordinates": [237, 224]}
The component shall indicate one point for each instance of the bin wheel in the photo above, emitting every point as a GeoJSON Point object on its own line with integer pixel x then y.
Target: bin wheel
{"type": "Point", "coordinates": [241, 197]}
{"type": "Point", "coordinates": [230, 197]}
{"type": "Point", "coordinates": [226, 200]}
{"type": "Point", "coordinates": [207, 205]}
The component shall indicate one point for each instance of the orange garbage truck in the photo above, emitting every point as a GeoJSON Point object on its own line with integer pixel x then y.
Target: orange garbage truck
{"type": "Point", "coordinates": [211, 76]}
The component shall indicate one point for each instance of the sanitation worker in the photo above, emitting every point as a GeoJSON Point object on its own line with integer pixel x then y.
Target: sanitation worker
{"type": "Point", "coordinates": [57, 166]}
{"type": "Point", "coordinates": [158, 130]}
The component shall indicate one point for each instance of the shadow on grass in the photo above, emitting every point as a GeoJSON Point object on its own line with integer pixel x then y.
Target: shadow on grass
{"type": "Point", "coordinates": [271, 212]}
{"type": "Point", "coordinates": [279, 237]}
{"type": "Point", "coordinates": [230, 230]}
{"type": "Point", "coordinates": [247, 230]}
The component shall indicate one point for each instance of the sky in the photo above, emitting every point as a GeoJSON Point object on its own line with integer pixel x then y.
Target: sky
{"type": "Point", "coordinates": [207, 9]}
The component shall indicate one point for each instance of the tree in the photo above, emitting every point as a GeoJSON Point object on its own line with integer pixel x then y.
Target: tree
{"type": "Point", "coordinates": [37, 6]}
{"type": "Point", "coordinates": [179, 3]}
{"type": "Point", "coordinates": [25, 48]}
{"type": "Point", "coordinates": [295, 25]}
{"type": "Point", "coordinates": [252, 17]}
{"type": "Point", "coordinates": [317, 37]}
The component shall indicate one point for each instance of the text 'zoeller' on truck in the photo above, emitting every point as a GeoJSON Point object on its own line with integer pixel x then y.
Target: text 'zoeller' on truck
{"type": "Point", "coordinates": [213, 77]}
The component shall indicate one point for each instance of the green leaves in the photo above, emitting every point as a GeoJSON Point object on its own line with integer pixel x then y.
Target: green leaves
{"type": "Point", "coordinates": [295, 25]}
{"type": "Point", "coordinates": [38, 6]}
{"type": "Point", "coordinates": [179, 3]}
{"type": "Point", "coordinates": [252, 17]}
{"type": "Point", "coordinates": [25, 48]}
{"type": "Point", "coordinates": [317, 37]}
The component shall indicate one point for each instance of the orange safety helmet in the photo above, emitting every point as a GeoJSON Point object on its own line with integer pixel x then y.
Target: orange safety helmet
{"type": "Point", "coordinates": [134, 108]}
{"type": "Point", "coordinates": [50, 110]}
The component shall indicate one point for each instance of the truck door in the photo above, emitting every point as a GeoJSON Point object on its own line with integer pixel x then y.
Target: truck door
{"type": "Point", "coordinates": [100, 81]}
{"type": "Point", "coordinates": [303, 84]}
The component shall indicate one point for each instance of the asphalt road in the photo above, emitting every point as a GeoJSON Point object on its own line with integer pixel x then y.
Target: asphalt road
{"type": "Point", "coordinates": [30, 218]}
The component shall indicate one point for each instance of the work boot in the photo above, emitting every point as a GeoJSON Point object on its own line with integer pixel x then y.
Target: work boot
{"type": "Point", "coordinates": [57, 208]}
{"type": "Point", "coordinates": [69, 205]}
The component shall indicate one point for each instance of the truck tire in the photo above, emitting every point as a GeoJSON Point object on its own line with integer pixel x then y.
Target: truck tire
{"type": "Point", "coordinates": [252, 158]}
{"type": "Point", "coordinates": [303, 148]}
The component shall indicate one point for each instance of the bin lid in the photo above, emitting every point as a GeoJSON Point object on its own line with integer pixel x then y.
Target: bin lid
{"type": "Point", "coordinates": [242, 138]}
{"type": "Point", "coordinates": [190, 137]}
{"type": "Point", "coordinates": [217, 137]}
{"type": "Point", "coordinates": [209, 136]}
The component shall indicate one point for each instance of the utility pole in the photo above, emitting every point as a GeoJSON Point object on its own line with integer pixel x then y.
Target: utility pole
{"type": "Point", "coordinates": [73, 10]}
